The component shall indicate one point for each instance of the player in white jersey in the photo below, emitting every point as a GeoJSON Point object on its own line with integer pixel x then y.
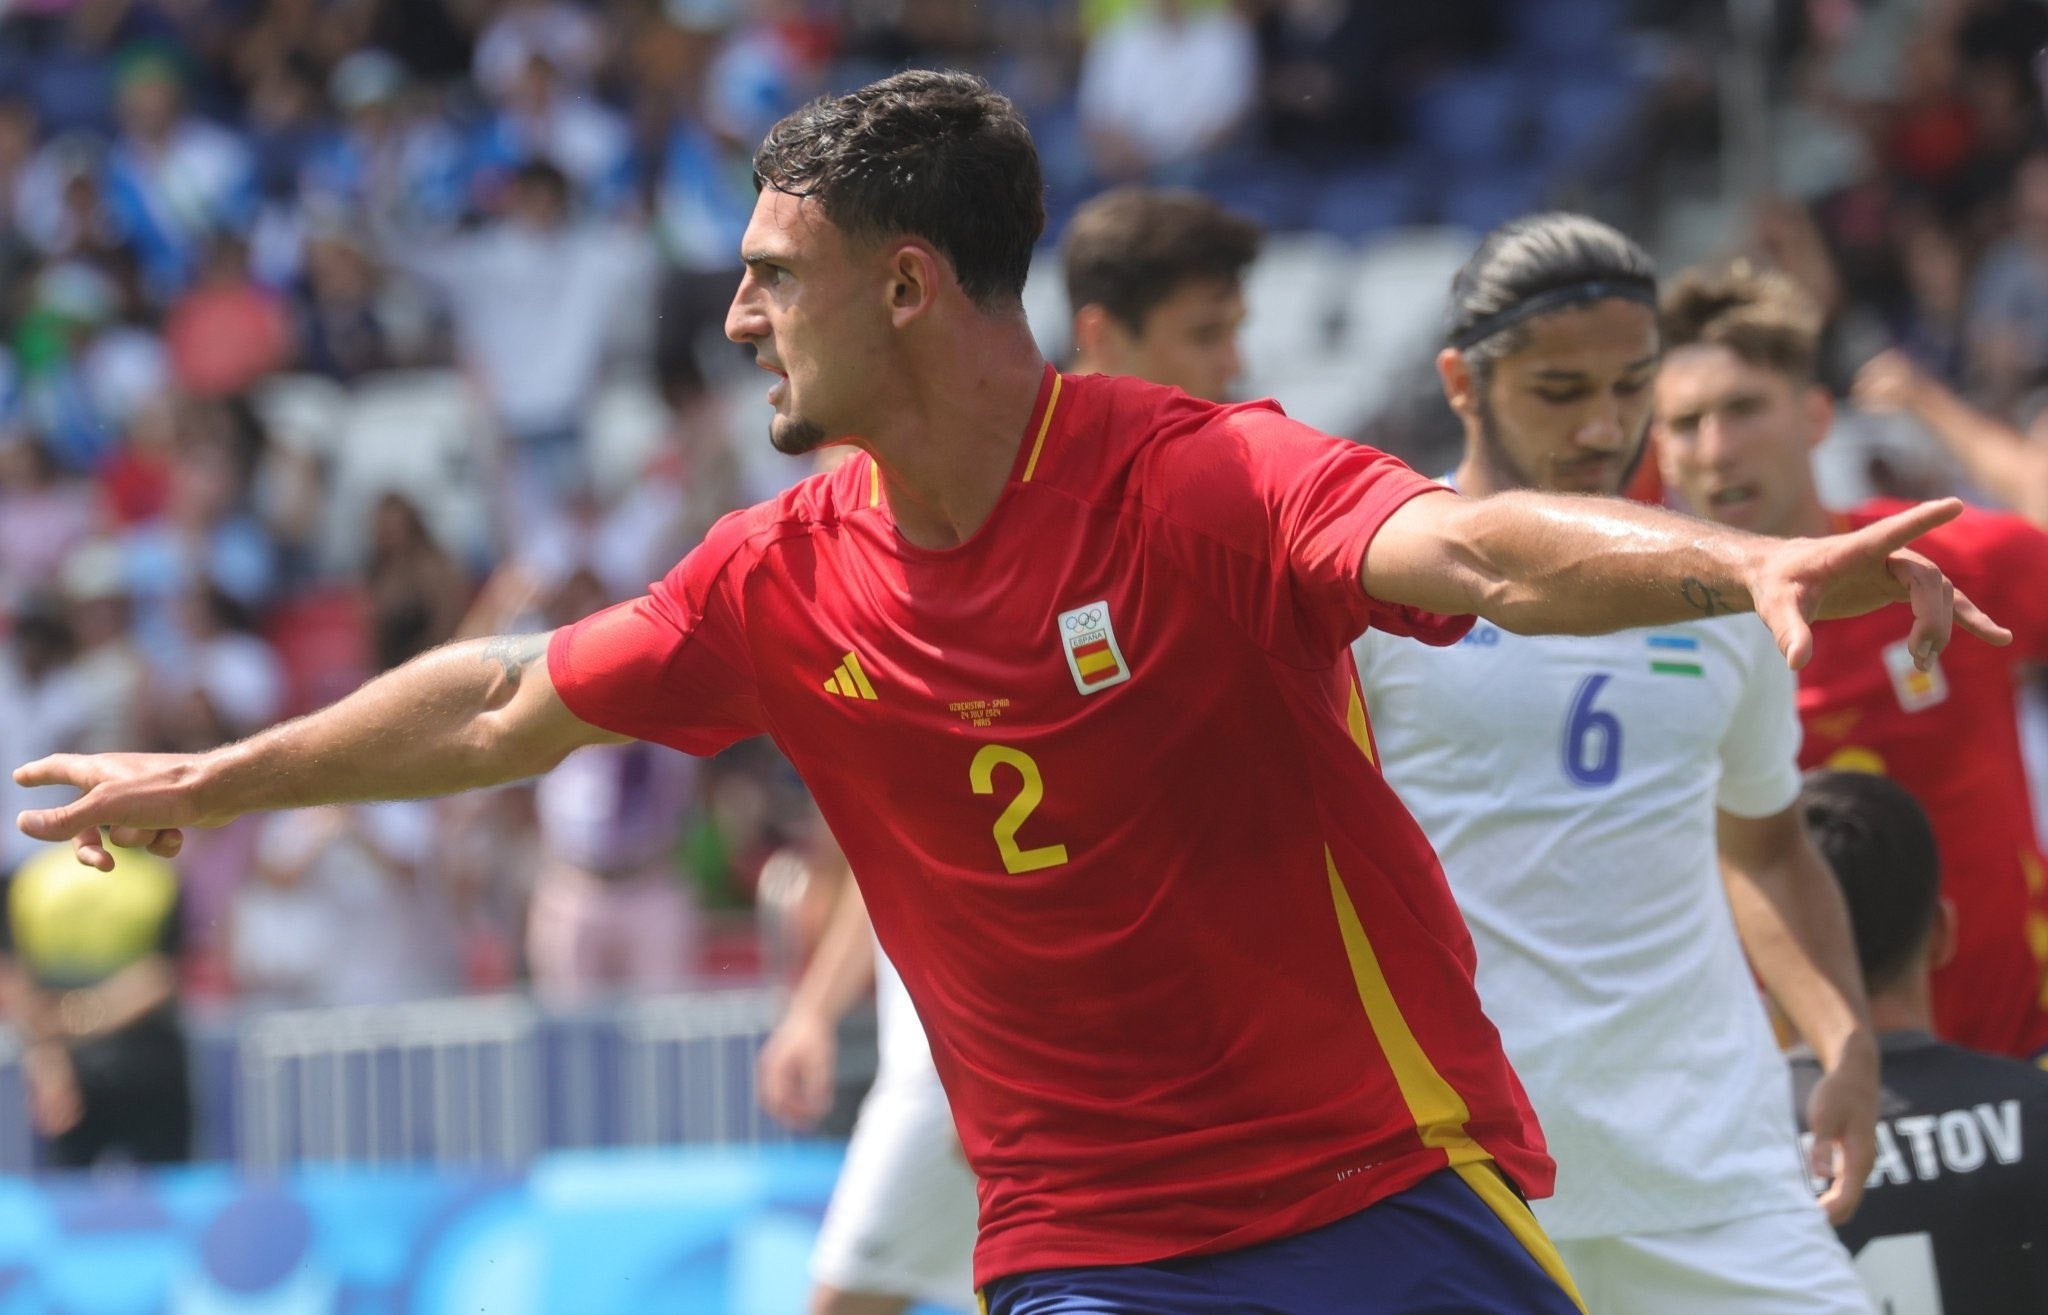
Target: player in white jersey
{"type": "Point", "coordinates": [1626, 774]}
{"type": "Point", "coordinates": [900, 1225]}
{"type": "Point", "coordinates": [1154, 278]}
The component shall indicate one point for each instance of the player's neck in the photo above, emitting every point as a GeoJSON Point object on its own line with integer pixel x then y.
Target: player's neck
{"type": "Point", "coordinates": [1809, 520]}
{"type": "Point", "coordinates": [1902, 1011]}
{"type": "Point", "coordinates": [1475, 477]}
{"type": "Point", "coordinates": [947, 449]}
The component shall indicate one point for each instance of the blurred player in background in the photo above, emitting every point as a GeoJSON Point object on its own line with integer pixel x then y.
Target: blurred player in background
{"type": "Point", "coordinates": [1155, 280]}
{"type": "Point", "coordinates": [1064, 661]}
{"type": "Point", "coordinates": [1738, 415]}
{"type": "Point", "coordinates": [1578, 791]}
{"type": "Point", "coordinates": [1956, 1218]}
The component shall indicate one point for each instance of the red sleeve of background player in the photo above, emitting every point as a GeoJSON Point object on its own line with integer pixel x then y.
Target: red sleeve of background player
{"type": "Point", "coordinates": [2014, 581]}
{"type": "Point", "coordinates": [671, 666]}
{"type": "Point", "coordinates": [1276, 516]}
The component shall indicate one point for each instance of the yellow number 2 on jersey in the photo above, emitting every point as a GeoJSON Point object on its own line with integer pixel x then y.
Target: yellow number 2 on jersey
{"type": "Point", "coordinates": [981, 775]}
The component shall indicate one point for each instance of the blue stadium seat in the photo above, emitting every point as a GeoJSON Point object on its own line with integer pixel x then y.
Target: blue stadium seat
{"type": "Point", "coordinates": [1572, 33]}
{"type": "Point", "coordinates": [1482, 199]}
{"type": "Point", "coordinates": [1576, 120]}
{"type": "Point", "coordinates": [72, 89]}
{"type": "Point", "coordinates": [1361, 203]}
{"type": "Point", "coordinates": [1272, 192]}
{"type": "Point", "coordinates": [1471, 116]}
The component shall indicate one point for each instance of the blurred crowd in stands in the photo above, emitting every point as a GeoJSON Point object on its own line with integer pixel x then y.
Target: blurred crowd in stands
{"type": "Point", "coordinates": [331, 330]}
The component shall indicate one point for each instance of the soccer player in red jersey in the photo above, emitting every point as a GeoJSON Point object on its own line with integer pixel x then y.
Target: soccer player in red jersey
{"type": "Point", "coordinates": [1738, 413]}
{"type": "Point", "coordinates": [1155, 280]}
{"type": "Point", "coordinates": [1065, 661]}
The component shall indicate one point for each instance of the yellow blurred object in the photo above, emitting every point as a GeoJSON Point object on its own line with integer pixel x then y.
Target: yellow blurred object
{"type": "Point", "coordinates": [77, 925]}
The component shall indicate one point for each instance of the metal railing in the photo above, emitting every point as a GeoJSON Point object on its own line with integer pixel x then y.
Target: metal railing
{"type": "Point", "coordinates": [486, 1082]}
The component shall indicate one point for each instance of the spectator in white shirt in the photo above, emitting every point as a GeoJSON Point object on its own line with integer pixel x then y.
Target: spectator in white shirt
{"type": "Point", "coordinates": [537, 298]}
{"type": "Point", "coordinates": [1165, 85]}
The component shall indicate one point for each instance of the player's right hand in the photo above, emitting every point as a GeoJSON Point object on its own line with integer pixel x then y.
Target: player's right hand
{"type": "Point", "coordinates": [795, 1073]}
{"type": "Point", "coordinates": [1889, 381]}
{"type": "Point", "coordinates": [143, 800]}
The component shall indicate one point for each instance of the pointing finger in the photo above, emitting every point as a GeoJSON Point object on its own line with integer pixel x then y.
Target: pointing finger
{"type": "Point", "coordinates": [1971, 618]}
{"type": "Point", "coordinates": [1896, 531]}
{"type": "Point", "coordinates": [57, 769]}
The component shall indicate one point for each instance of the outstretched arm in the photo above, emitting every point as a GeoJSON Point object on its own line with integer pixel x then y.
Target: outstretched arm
{"type": "Point", "coordinates": [1538, 563]}
{"type": "Point", "coordinates": [1999, 459]}
{"type": "Point", "coordinates": [472, 714]}
{"type": "Point", "coordinates": [1795, 928]}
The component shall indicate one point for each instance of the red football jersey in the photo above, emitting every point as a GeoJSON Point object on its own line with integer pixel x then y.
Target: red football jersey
{"type": "Point", "coordinates": [1192, 975]}
{"type": "Point", "coordinates": [1951, 737]}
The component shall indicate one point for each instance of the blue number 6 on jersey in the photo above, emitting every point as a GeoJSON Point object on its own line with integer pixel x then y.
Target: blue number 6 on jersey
{"type": "Point", "coordinates": [1592, 738]}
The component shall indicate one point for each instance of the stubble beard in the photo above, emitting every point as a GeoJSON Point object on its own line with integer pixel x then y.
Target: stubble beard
{"type": "Point", "coordinates": [1507, 473]}
{"type": "Point", "coordinates": [794, 436]}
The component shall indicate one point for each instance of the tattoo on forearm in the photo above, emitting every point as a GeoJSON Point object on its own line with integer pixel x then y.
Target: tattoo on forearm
{"type": "Point", "coordinates": [1705, 598]}
{"type": "Point", "coordinates": [515, 653]}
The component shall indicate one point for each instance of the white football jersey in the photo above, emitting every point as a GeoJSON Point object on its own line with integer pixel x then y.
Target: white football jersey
{"type": "Point", "coordinates": [1569, 785]}
{"type": "Point", "coordinates": [903, 1052]}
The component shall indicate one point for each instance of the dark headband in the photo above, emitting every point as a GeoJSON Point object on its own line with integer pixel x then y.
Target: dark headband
{"type": "Point", "coordinates": [1571, 294]}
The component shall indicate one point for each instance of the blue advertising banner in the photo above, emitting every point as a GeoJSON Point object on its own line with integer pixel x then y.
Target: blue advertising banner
{"type": "Point", "coordinates": [702, 1231]}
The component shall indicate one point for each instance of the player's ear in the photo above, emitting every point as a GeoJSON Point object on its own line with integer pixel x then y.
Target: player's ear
{"type": "Point", "coordinates": [915, 274]}
{"type": "Point", "coordinates": [1941, 937]}
{"type": "Point", "coordinates": [1819, 408]}
{"type": "Point", "coordinates": [1461, 388]}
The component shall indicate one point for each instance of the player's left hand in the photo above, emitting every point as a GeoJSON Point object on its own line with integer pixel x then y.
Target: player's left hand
{"type": "Point", "coordinates": [1841, 1111]}
{"type": "Point", "coordinates": [1795, 582]}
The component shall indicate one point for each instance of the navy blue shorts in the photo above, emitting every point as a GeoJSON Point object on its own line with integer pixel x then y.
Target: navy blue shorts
{"type": "Point", "coordinates": [1439, 1248]}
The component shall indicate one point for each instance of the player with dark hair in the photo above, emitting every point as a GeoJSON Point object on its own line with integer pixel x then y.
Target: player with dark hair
{"type": "Point", "coordinates": [1956, 1218]}
{"type": "Point", "coordinates": [1600, 805]}
{"type": "Point", "coordinates": [1155, 278]}
{"type": "Point", "coordinates": [1064, 660]}
{"type": "Point", "coordinates": [1738, 414]}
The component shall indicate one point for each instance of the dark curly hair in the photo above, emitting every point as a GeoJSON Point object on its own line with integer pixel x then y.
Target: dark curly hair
{"type": "Point", "coordinates": [937, 156]}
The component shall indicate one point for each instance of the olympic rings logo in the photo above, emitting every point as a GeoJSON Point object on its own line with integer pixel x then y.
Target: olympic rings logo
{"type": "Point", "coordinates": [1088, 620]}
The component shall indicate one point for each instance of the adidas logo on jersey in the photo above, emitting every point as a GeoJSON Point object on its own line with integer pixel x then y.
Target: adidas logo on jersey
{"type": "Point", "coordinates": [849, 681]}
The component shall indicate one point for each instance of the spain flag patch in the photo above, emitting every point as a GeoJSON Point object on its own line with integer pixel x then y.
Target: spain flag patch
{"type": "Point", "coordinates": [1088, 639]}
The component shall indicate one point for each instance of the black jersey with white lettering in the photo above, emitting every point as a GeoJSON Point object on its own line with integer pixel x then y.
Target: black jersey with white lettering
{"type": "Point", "coordinates": [1955, 1221]}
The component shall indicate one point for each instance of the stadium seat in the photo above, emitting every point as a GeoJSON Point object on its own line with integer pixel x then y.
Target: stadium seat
{"type": "Point", "coordinates": [322, 641]}
{"type": "Point", "coordinates": [622, 428]}
{"type": "Point", "coordinates": [1294, 299]}
{"type": "Point", "coordinates": [1578, 120]}
{"type": "Point", "coordinates": [1572, 34]}
{"type": "Point", "coordinates": [1272, 192]}
{"type": "Point", "coordinates": [1394, 315]}
{"type": "Point", "coordinates": [420, 432]}
{"type": "Point", "coordinates": [1045, 304]}
{"type": "Point", "coordinates": [1481, 199]}
{"type": "Point", "coordinates": [1471, 117]}
{"type": "Point", "coordinates": [303, 412]}
{"type": "Point", "coordinates": [1363, 203]}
